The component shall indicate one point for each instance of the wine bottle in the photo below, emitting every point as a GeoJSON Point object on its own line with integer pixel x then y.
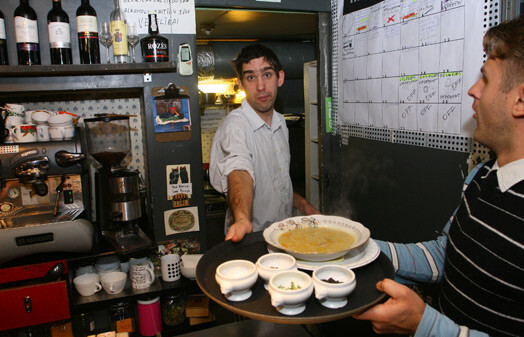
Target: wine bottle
{"type": "Point", "coordinates": [87, 26]}
{"type": "Point", "coordinates": [119, 34]}
{"type": "Point", "coordinates": [59, 35]}
{"type": "Point", "coordinates": [3, 42]}
{"type": "Point", "coordinates": [155, 47]}
{"type": "Point", "coordinates": [26, 32]}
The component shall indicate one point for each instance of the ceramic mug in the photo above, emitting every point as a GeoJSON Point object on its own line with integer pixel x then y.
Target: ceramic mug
{"type": "Point", "coordinates": [15, 109]}
{"type": "Point", "coordinates": [24, 133]}
{"type": "Point", "coordinates": [87, 284]}
{"type": "Point", "coordinates": [12, 121]}
{"type": "Point", "coordinates": [61, 132]}
{"type": "Point", "coordinates": [113, 282]}
{"type": "Point", "coordinates": [141, 272]}
{"type": "Point", "coordinates": [42, 133]}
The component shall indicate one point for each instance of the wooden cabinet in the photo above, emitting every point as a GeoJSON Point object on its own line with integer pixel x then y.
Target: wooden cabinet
{"type": "Point", "coordinates": [25, 300]}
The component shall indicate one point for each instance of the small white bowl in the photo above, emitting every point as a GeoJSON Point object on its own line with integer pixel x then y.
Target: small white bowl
{"type": "Point", "coordinates": [60, 120]}
{"type": "Point", "coordinates": [289, 291]}
{"type": "Point", "coordinates": [236, 277]}
{"type": "Point", "coordinates": [273, 263]}
{"type": "Point", "coordinates": [189, 264]}
{"type": "Point", "coordinates": [332, 285]}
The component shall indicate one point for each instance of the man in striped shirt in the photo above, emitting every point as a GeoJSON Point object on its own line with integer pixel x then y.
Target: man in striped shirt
{"type": "Point", "coordinates": [479, 258]}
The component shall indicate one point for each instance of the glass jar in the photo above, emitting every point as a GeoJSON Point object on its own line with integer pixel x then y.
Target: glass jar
{"type": "Point", "coordinates": [83, 324]}
{"type": "Point", "coordinates": [122, 317]}
{"type": "Point", "coordinates": [174, 309]}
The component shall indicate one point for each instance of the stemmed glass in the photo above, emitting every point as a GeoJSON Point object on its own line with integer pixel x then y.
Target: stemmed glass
{"type": "Point", "coordinates": [132, 38]}
{"type": "Point", "coordinates": [105, 38]}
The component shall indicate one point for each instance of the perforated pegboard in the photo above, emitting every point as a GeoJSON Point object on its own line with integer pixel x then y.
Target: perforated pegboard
{"type": "Point", "coordinates": [453, 142]}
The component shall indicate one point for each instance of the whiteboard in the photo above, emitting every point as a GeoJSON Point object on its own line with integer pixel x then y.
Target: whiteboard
{"type": "Point", "coordinates": [402, 69]}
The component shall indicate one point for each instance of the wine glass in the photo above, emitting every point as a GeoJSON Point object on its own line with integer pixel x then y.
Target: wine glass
{"type": "Point", "coordinates": [132, 38]}
{"type": "Point", "coordinates": [105, 38]}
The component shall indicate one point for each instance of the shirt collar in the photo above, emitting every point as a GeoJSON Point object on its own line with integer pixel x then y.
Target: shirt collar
{"type": "Point", "coordinates": [254, 119]}
{"type": "Point", "coordinates": [509, 174]}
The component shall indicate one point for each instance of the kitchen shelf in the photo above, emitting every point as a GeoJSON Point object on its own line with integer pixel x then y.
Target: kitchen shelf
{"type": "Point", "coordinates": [87, 69]}
{"type": "Point", "coordinates": [102, 299]}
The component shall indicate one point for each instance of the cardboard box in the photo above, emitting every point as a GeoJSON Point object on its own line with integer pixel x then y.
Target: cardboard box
{"type": "Point", "coordinates": [200, 320]}
{"type": "Point", "coordinates": [197, 306]}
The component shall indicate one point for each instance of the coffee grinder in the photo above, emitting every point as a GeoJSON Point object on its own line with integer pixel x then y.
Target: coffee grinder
{"type": "Point", "coordinates": [118, 197]}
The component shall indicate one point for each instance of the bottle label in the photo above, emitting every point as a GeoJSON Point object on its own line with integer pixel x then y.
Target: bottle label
{"type": "Point", "coordinates": [59, 35]}
{"type": "Point", "coordinates": [87, 23]}
{"type": "Point", "coordinates": [119, 37]}
{"type": "Point", "coordinates": [26, 30]}
{"type": "Point", "coordinates": [2, 29]}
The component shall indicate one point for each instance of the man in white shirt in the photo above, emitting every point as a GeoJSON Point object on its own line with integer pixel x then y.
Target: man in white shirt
{"type": "Point", "coordinates": [250, 155]}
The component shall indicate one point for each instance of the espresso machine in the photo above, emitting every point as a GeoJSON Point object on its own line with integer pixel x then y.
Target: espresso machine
{"type": "Point", "coordinates": [43, 194]}
{"type": "Point", "coordinates": [119, 192]}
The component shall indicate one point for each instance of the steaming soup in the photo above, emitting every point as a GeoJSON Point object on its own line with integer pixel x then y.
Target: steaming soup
{"type": "Point", "coordinates": [316, 240]}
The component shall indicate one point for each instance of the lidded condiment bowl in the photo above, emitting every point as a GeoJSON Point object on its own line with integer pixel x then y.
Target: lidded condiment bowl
{"type": "Point", "coordinates": [289, 290]}
{"type": "Point", "coordinates": [235, 278]}
{"type": "Point", "coordinates": [332, 284]}
{"type": "Point", "coordinates": [273, 263]}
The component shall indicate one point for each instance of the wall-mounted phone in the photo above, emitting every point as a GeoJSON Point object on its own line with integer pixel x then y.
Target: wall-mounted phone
{"type": "Point", "coordinates": [184, 60]}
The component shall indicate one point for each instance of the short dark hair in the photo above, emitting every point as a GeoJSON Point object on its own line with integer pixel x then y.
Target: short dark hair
{"type": "Point", "coordinates": [506, 42]}
{"type": "Point", "coordinates": [255, 51]}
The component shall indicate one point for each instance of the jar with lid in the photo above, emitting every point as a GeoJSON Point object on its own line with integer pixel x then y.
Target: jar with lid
{"type": "Point", "coordinates": [174, 308]}
{"type": "Point", "coordinates": [122, 317]}
{"type": "Point", "coordinates": [83, 324]}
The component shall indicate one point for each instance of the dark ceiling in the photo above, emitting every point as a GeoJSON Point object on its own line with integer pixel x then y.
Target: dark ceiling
{"type": "Point", "coordinates": [234, 24]}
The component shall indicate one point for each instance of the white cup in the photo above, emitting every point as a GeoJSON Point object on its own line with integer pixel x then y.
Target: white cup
{"type": "Point", "coordinates": [42, 133]}
{"type": "Point", "coordinates": [61, 132]}
{"type": "Point", "coordinates": [12, 121]}
{"type": "Point", "coordinates": [24, 133]}
{"type": "Point", "coordinates": [87, 284]}
{"type": "Point", "coordinates": [40, 117]}
{"type": "Point", "coordinates": [170, 265]}
{"type": "Point", "coordinates": [15, 109]}
{"type": "Point", "coordinates": [113, 282]}
{"type": "Point", "coordinates": [141, 272]}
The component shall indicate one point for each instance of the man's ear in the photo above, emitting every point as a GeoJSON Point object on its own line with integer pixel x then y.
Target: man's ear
{"type": "Point", "coordinates": [518, 108]}
{"type": "Point", "coordinates": [281, 76]}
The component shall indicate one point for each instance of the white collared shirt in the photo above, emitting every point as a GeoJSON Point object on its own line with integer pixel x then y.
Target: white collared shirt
{"type": "Point", "coordinates": [245, 142]}
{"type": "Point", "coordinates": [509, 174]}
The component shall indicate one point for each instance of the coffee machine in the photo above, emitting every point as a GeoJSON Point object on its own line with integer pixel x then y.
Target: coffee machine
{"type": "Point", "coordinates": [119, 192]}
{"type": "Point", "coordinates": [43, 187]}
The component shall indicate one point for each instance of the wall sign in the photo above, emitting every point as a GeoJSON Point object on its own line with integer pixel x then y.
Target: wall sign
{"type": "Point", "coordinates": [173, 16]}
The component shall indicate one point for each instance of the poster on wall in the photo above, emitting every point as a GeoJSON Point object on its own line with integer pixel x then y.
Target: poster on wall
{"type": "Point", "coordinates": [181, 220]}
{"type": "Point", "coordinates": [171, 114]}
{"type": "Point", "coordinates": [179, 186]}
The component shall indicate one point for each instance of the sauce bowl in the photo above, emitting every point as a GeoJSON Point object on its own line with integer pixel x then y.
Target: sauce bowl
{"type": "Point", "coordinates": [289, 291]}
{"type": "Point", "coordinates": [236, 277]}
{"type": "Point", "coordinates": [332, 284]}
{"type": "Point", "coordinates": [273, 263]}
